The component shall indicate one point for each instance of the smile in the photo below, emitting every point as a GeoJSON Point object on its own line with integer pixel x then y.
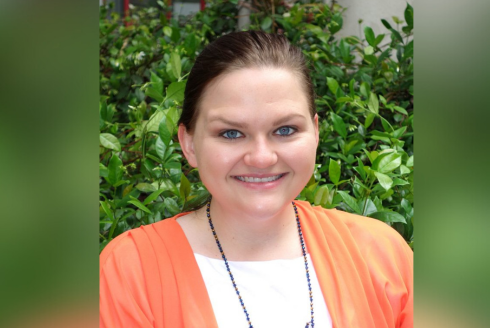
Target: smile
{"type": "Point", "coordinates": [259, 180]}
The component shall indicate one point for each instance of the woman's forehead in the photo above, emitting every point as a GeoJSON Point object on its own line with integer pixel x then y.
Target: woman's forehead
{"type": "Point", "coordinates": [254, 88]}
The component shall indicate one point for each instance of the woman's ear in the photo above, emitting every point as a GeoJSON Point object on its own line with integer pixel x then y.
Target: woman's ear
{"type": "Point", "coordinates": [186, 141]}
{"type": "Point", "coordinates": [317, 132]}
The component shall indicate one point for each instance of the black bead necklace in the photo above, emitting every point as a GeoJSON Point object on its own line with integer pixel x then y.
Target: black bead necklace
{"type": "Point", "coordinates": [308, 324]}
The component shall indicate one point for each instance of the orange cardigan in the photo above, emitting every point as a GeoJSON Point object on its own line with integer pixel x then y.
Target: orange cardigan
{"type": "Point", "coordinates": [150, 278]}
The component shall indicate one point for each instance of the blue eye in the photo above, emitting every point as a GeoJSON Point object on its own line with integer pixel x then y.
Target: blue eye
{"type": "Point", "coordinates": [231, 134]}
{"type": "Point", "coordinates": [285, 131]}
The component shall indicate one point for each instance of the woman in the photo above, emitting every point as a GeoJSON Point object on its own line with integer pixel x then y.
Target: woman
{"type": "Point", "coordinates": [253, 257]}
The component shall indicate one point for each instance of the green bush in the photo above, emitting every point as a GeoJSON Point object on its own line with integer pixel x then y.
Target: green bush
{"type": "Point", "coordinates": [364, 100]}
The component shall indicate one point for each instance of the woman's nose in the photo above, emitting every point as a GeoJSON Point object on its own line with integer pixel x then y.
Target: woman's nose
{"type": "Point", "coordinates": [260, 154]}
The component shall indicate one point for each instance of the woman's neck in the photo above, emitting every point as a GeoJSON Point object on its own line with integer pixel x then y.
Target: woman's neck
{"type": "Point", "coordinates": [246, 237]}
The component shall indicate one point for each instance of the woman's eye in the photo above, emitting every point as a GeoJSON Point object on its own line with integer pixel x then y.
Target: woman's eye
{"type": "Point", "coordinates": [231, 134]}
{"type": "Point", "coordinates": [285, 131]}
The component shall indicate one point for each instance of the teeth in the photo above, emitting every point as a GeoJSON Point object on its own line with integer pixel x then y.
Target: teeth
{"type": "Point", "coordinates": [255, 180]}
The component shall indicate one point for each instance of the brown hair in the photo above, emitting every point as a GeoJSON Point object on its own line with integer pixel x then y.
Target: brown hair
{"type": "Point", "coordinates": [240, 50]}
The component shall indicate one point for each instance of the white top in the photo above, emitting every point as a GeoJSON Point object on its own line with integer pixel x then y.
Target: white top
{"type": "Point", "coordinates": [275, 293]}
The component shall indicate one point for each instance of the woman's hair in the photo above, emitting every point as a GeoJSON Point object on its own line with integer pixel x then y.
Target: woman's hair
{"type": "Point", "coordinates": [240, 50]}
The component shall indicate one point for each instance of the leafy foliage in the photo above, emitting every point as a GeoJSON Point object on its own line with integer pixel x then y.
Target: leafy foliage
{"type": "Point", "coordinates": [364, 99]}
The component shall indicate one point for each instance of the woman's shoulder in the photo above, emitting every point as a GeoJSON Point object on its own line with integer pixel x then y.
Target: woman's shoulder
{"type": "Point", "coordinates": [133, 242]}
{"type": "Point", "coordinates": [364, 230]}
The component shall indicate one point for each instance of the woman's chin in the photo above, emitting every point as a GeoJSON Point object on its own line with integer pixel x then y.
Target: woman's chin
{"type": "Point", "coordinates": [260, 206]}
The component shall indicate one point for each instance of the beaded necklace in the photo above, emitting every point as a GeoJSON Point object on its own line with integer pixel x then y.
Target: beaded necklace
{"type": "Point", "coordinates": [308, 324]}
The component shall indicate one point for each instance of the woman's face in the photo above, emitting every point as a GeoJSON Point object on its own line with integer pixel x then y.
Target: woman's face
{"type": "Point", "coordinates": [254, 140]}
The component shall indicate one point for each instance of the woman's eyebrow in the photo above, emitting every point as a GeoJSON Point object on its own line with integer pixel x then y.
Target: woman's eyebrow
{"type": "Point", "coordinates": [287, 118]}
{"type": "Point", "coordinates": [227, 122]}
{"type": "Point", "coordinates": [242, 125]}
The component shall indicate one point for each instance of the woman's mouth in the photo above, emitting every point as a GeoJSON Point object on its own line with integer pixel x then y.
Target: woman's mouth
{"type": "Point", "coordinates": [259, 180]}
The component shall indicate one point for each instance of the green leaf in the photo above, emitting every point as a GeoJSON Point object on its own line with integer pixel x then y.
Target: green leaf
{"type": "Point", "coordinates": [121, 182]}
{"type": "Point", "coordinates": [352, 82]}
{"type": "Point", "coordinates": [369, 207]}
{"type": "Point", "coordinates": [373, 103]}
{"type": "Point", "coordinates": [176, 65]}
{"type": "Point", "coordinates": [191, 44]}
{"type": "Point", "coordinates": [154, 121]}
{"type": "Point", "coordinates": [145, 187]}
{"type": "Point", "coordinates": [171, 119]}
{"type": "Point", "coordinates": [127, 190]}
{"type": "Point", "coordinates": [369, 120]}
{"type": "Point", "coordinates": [156, 159]}
{"type": "Point", "coordinates": [167, 184]}
{"type": "Point", "coordinates": [103, 171]}
{"type": "Point", "coordinates": [358, 183]}
{"type": "Point", "coordinates": [156, 82]}
{"type": "Point", "coordinates": [185, 186]}
{"type": "Point", "coordinates": [387, 163]}
{"type": "Point", "coordinates": [388, 216]}
{"type": "Point", "coordinates": [196, 199]}
{"type": "Point", "coordinates": [172, 165]}
{"type": "Point", "coordinates": [384, 180]}
{"type": "Point", "coordinates": [361, 170]}
{"type": "Point", "coordinates": [407, 207]}
{"type": "Point", "coordinates": [396, 35]}
{"type": "Point", "coordinates": [396, 20]}
{"type": "Point", "coordinates": [409, 15]}
{"type": "Point", "coordinates": [400, 110]}
{"type": "Point", "coordinates": [404, 170]}
{"type": "Point", "coordinates": [378, 39]}
{"type": "Point", "coordinates": [399, 182]}
{"type": "Point", "coordinates": [371, 60]}
{"type": "Point", "coordinates": [378, 203]}
{"type": "Point", "coordinates": [313, 28]}
{"type": "Point", "coordinates": [398, 133]}
{"type": "Point", "coordinates": [386, 24]}
{"type": "Point", "coordinates": [175, 91]}
{"type": "Point", "coordinates": [382, 99]}
{"type": "Point", "coordinates": [350, 201]}
{"type": "Point", "coordinates": [174, 115]}
{"type": "Point", "coordinates": [333, 85]}
{"type": "Point", "coordinates": [175, 34]}
{"type": "Point", "coordinates": [410, 161]}
{"type": "Point", "coordinates": [368, 32]}
{"type": "Point", "coordinates": [321, 194]}
{"type": "Point", "coordinates": [138, 204]}
{"type": "Point", "coordinates": [103, 109]}
{"type": "Point", "coordinates": [266, 23]}
{"type": "Point", "coordinates": [365, 89]}
{"type": "Point", "coordinates": [154, 195]}
{"type": "Point", "coordinates": [107, 209]}
{"type": "Point", "coordinates": [153, 93]}
{"type": "Point", "coordinates": [167, 30]}
{"type": "Point", "coordinates": [115, 170]}
{"type": "Point", "coordinates": [350, 145]}
{"type": "Point", "coordinates": [155, 88]}
{"type": "Point", "coordinates": [109, 141]}
{"type": "Point", "coordinates": [164, 132]}
{"type": "Point", "coordinates": [334, 171]}
{"type": "Point", "coordinates": [368, 50]}
{"type": "Point", "coordinates": [343, 100]}
{"type": "Point", "coordinates": [371, 155]}
{"type": "Point", "coordinates": [160, 148]}
{"type": "Point", "coordinates": [386, 125]}
{"type": "Point", "coordinates": [339, 125]}
{"type": "Point", "coordinates": [172, 206]}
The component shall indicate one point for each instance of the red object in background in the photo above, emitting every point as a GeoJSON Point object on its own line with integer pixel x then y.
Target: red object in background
{"type": "Point", "coordinates": [169, 13]}
{"type": "Point", "coordinates": [126, 12]}
{"type": "Point", "coordinates": [203, 5]}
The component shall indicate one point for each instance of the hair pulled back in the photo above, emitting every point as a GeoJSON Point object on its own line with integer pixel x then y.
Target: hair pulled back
{"type": "Point", "coordinates": [240, 50]}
